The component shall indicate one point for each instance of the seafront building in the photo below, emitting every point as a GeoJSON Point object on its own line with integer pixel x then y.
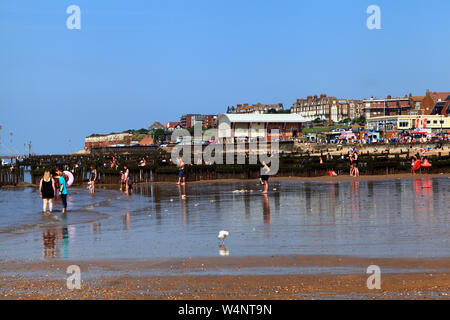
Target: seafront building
{"type": "Point", "coordinates": [387, 116]}
{"type": "Point", "coordinates": [431, 123]}
{"type": "Point", "coordinates": [328, 109]}
{"type": "Point", "coordinates": [332, 110]}
{"type": "Point", "coordinates": [251, 127]}
{"type": "Point", "coordinates": [432, 103]}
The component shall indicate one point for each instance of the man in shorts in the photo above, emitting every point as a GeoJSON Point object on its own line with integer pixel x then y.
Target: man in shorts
{"type": "Point", "coordinates": [181, 177]}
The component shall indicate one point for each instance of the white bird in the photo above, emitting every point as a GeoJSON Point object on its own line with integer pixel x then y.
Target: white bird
{"type": "Point", "coordinates": [222, 235]}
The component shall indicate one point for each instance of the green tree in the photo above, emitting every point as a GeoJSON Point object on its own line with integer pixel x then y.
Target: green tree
{"type": "Point", "coordinates": [361, 120]}
{"type": "Point", "coordinates": [158, 135]}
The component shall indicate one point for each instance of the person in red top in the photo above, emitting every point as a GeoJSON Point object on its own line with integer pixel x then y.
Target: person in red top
{"type": "Point", "coordinates": [415, 164]}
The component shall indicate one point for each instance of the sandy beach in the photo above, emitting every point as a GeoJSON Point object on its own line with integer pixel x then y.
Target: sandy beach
{"type": "Point", "coordinates": [407, 279]}
{"type": "Point", "coordinates": [310, 238]}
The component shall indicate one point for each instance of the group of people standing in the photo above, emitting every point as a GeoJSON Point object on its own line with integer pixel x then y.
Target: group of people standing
{"type": "Point", "coordinates": [125, 181]}
{"type": "Point", "coordinates": [416, 164]}
{"type": "Point", "coordinates": [49, 186]}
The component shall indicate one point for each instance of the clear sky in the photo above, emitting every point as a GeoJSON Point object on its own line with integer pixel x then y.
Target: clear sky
{"type": "Point", "coordinates": [137, 61]}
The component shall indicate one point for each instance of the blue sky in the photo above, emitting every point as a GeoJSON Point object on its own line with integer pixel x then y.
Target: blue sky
{"type": "Point", "coordinates": [134, 62]}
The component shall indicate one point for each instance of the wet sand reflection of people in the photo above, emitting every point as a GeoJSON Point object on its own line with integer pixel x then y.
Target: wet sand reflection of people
{"type": "Point", "coordinates": [126, 218]}
{"type": "Point", "coordinates": [266, 210]}
{"type": "Point", "coordinates": [157, 202]}
{"type": "Point", "coordinates": [354, 194]}
{"type": "Point", "coordinates": [276, 200]}
{"type": "Point", "coordinates": [49, 243]}
{"type": "Point", "coordinates": [182, 193]}
{"type": "Point", "coordinates": [424, 198]}
{"type": "Point", "coordinates": [307, 197]}
{"type": "Point", "coordinates": [96, 227]}
{"type": "Point", "coordinates": [55, 243]}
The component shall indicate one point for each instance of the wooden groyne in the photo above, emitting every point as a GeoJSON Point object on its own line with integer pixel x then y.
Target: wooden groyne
{"type": "Point", "coordinates": [290, 165]}
{"type": "Point", "coordinates": [10, 177]}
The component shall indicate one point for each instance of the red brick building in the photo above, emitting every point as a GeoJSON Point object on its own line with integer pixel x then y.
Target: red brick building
{"type": "Point", "coordinates": [441, 101]}
{"type": "Point", "coordinates": [388, 106]}
{"type": "Point", "coordinates": [190, 120]}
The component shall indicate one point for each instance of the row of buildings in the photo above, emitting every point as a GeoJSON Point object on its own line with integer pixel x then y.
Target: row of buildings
{"type": "Point", "coordinates": [332, 109]}
{"type": "Point", "coordinates": [390, 114]}
{"type": "Point", "coordinates": [258, 108]}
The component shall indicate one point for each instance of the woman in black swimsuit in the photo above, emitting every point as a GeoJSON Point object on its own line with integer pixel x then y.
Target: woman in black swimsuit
{"type": "Point", "coordinates": [47, 192]}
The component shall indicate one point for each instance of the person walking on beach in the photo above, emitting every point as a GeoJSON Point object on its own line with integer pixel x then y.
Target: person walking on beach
{"type": "Point", "coordinates": [126, 177]}
{"type": "Point", "coordinates": [92, 179]}
{"type": "Point", "coordinates": [265, 177]}
{"type": "Point", "coordinates": [62, 188]}
{"type": "Point", "coordinates": [47, 192]}
{"type": "Point", "coordinates": [181, 177]}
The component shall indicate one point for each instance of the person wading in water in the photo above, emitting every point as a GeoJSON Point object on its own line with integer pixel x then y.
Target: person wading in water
{"type": "Point", "coordinates": [47, 192]}
{"type": "Point", "coordinates": [181, 177]}
{"type": "Point", "coordinates": [265, 177]}
{"type": "Point", "coordinates": [92, 179]}
{"type": "Point", "coordinates": [62, 188]}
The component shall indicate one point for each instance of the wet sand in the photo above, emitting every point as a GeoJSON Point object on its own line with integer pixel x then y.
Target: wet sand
{"type": "Point", "coordinates": [108, 280]}
{"type": "Point", "coordinates": [342, 177]}
{"type": "Point", "coordinates": [311, 240]}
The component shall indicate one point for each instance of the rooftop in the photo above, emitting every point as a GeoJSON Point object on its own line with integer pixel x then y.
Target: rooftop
{"type": "Point", "coordinates": [251, 117]}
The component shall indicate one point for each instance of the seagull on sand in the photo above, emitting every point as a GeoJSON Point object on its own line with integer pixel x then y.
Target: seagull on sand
{"type": "Point", "coordinates": [222, 235]}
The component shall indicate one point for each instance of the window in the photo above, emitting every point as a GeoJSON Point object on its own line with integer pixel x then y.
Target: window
{"type": "Point", "coordinates": [403, 123]}
{"type": "Point", "coordinates": [434, 121]}
{"type": "Point", "coordinates": [428, 121]}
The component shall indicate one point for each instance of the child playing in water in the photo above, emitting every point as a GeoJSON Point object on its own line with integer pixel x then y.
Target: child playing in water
{"type": "Point", "coordinates": [122, 180]}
